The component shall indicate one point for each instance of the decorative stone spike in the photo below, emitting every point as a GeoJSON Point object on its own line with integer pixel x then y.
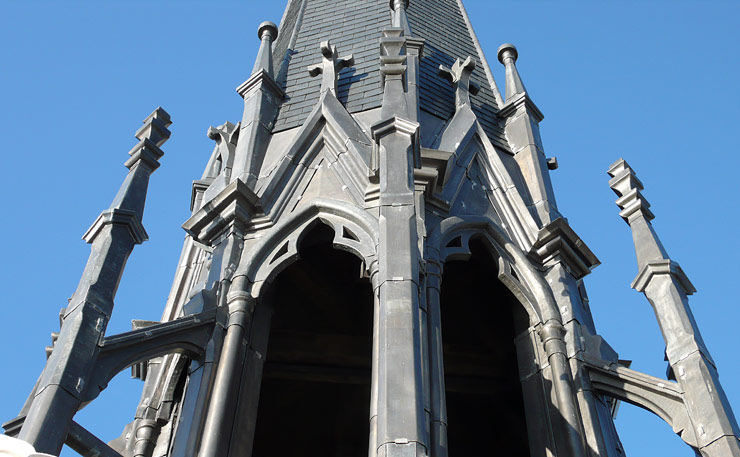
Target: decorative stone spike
{"type": "Point", "coordinates": [522, 118]}
{"type": "Point", "coordinates": [392, 73]}
{"type": "Point", "coordinates": [459, 77]}
{"type": "Point", "coordinates": [507, 55]}
{"type": "Point", "coordinates": [261, 99]}
{"type": "Point", "coordinates": [64, 385]}
{"type": "Point", "coordinates": [400, 19]}
{"type": "Point", "coordinates": [330, 67]}
{"type": "Point", "coordinates": [635, 210]}
{"type": "Point", "coordinates": [667, 287]}
{"type": "Point", "coordinates": [267, 32]}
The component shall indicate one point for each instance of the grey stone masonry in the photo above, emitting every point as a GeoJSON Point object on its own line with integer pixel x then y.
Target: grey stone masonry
{"type": "Point", "coordinates": [66, 382]}
{"type": "Point", "coordinates": [374, 265]}
{"type": "Point", "coordinates": [715, 431]}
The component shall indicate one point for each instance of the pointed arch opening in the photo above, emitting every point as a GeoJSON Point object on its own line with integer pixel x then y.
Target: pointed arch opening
{"type": "Point", "coordinates": [315, 391]}
{"type": "Point", "coordinates": [480, 319]}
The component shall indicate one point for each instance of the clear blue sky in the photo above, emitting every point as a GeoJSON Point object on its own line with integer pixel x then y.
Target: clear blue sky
{"type": "Point", "coordinates": [653, 82]}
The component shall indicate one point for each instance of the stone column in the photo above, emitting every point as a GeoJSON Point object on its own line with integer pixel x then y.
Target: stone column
{"type": "Point", "coordinates": [438, 434]}
{"type": "Point", "coordinates": [400, 403]}
{"type": "Point", "coordinates": [225, 393]}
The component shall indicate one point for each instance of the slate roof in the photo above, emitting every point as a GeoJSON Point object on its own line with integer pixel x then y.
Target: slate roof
{"type": "Point", "coordinates": [354, 26]}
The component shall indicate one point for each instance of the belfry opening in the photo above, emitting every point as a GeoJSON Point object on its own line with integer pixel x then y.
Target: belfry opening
{"type": "Point", "coordinates": [480, 318]}
{"type": "Point", "coordinates": [315, 391]}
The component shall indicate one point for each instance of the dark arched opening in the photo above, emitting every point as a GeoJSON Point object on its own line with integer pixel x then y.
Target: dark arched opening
{"type": "Point", "coordinates": [315, 390]}
{"type": "Point", "coordinates": [480, 318]}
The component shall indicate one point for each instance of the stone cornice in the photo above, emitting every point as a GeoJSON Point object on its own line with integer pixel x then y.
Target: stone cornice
{"type": "Point", "coordinates": [258, 80]}
{"type": "Point", "coordinates": [236, 204]}
{"type": "Point", "coordinates": [557, 242]}
{"type": "Point", "coordinates": [392, 125]}
{"type": "Point", "coordinates": [517, 102]}
{"type": "Point", "coordinates": [121, 217]}
{"type": "Point", "coordinates": [415, 43]}
{"type": "Point", "coordinates": [662, 267]}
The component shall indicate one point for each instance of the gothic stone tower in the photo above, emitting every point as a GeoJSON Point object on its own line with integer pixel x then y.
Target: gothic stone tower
{"type": "Point", "coordinates": [375, 265]}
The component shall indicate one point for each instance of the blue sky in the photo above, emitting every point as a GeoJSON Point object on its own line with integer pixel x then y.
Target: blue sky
{"type": "Point", "coordinates": [653, 82]}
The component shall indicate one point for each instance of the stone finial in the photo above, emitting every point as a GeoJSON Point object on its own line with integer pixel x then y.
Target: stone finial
{"type": "Point", "coordinates": [393, 73]}
{"type": "Point", "coordinates": [127, 207]}
{"type": "Point", "coordinates": [625, 184]}
{"type": "Point", "coordinates": [459, 77]}
{"type": "Point", "coordinates": [400, 20]}
{"type": "Point", "coordinates": [507, 55]}
{"type": "Point", "coordinates": [330, 67]}
{"type": "Point", "coordinates": [267, 33]}
{"type": "Point", "coordinates": [392, 53]}
{"type": "Point", "coordinates": [151, 136]}
{"type": "Point", "coordinates": [635, 210]}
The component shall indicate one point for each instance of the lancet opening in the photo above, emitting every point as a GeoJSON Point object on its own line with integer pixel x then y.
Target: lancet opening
{"type": "Point", "coordinates": [315, 390]}
{"type": "Point", "coordinates": [480, 318]}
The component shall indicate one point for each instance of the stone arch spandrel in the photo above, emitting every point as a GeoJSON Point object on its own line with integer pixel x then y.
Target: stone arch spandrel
{"type": "Point", "coordinates": [355, 231]}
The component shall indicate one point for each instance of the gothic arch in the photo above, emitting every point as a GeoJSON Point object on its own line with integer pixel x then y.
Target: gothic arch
{"type": "Point", "coordinates": [451, 240]}
{"type": "Point", "coordinates": [532, 291]}
{"type": "Point", "coordinates": [355, 231]}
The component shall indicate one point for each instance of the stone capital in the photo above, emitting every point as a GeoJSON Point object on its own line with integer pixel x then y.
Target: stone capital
{"type": "Point", "coordinates": [235, 206]}
{"type": "Point", "coordinates": [395, 125]}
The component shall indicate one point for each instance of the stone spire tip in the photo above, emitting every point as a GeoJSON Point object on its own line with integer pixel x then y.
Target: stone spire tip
{"type": "Point", "coordinates": [395, 3]}
{"type": "Point", "coordinates": [267, 27]}
{"type": "Point", "coordinates": [155, 129]}
{"type": "Point", "coordinates": [503, 49]}
{"type": "Point", "coordinates": [507, 55]}
{"type": "Point", "coordinates": [627, 186]}
{"type": "Point", "coordinates": [267, 33]}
